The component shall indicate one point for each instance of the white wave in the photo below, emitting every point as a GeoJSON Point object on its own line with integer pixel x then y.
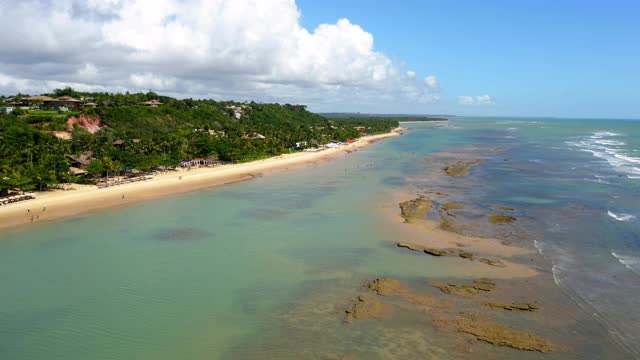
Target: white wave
{"type": "Point", "coordinates": [601, 134]}
{"type": "Point", "coordinates": [627, 158]}
{"type": "Point", "coordinates": [601, 146]}
{"type": "Point", "coordinates": [621, 217]}
{"type": "Point", "coordinates": [610, 142]}
{"type": "Point", "coordinates": [630, 262]}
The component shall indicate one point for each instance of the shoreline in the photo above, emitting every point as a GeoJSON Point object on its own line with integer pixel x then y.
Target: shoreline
{"type": "Point", "coordinates": [84, 199]}
{"type": "Point", "coordinates": [420, 122]}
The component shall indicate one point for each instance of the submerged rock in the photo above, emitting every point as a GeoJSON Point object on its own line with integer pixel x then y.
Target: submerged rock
{"type": "Point", "coordinates": [500, 335]}
{"type": "Point", "coordinates": [484, 284]}
{"type": "Point", "coordinates": [392, 287]}
{"type": "Point", "coordinates": [466, 255]}
{"type": "Point", "coordinates": [436, 252]}
{"type": "Point", "coordinates": [497, 263]}
{"type": "Point", "coordinates": [501, 219]}
{"type": "Point", "coordinates": [430, 251]}
{"type": "Point", "coordinates": [447, 225]}
{"type": "Point", "coordinates": [459, 168]}
{"type": "Point", "coordinates": [464, 290]}
{"type": "Point", "coordinates": [415, 209]}
{"type": "Point", "coordinates": [450, 206]}
{"type": "Point", "coordinates": [505, 208]}
{"type": "Point", "coordinates": [412, 247]}
{"type": "Point", "coordinates": [366, 307]}
{"type": "Point", "coordinates": [519, 306]}
{"type": "Point", "coordinates": [385, 287]}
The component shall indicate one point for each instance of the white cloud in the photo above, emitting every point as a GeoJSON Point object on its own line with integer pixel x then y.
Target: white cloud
{"type": "Point", "coordinates": [479, 100]}
{"type": "Point", "coordinates": [242, 49]}
{"type": "Point", "coordinates": [432, 82]}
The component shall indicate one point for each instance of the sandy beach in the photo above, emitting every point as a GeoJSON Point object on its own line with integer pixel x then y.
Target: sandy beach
{"type": "Point", "coordinates": [82, 199]}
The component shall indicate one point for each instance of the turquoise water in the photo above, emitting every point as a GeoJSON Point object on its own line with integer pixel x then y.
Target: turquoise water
{"type": "Point", "coordinates": [262, 269]}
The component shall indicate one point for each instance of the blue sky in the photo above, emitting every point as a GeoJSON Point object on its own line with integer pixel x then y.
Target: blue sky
{"type": "Point", "coordinates": [543, 58]}
{"type": "Point", "coordinates": [563, 58]}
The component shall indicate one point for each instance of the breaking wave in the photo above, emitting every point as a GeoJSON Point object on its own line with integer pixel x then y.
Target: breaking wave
{"type": "Point", "coordinates": [630, 262]}
{"type": "Point", "coordinates": [621, 217]}
{"type": "Point", "coordinates": [607, 146]}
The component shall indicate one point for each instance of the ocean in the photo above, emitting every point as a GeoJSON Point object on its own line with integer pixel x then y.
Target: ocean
{"type": "Point", "coordinates": [265, 268]}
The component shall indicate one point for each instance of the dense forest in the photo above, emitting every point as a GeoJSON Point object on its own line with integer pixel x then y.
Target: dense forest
{"type": "Point", "coordinates": [119, 133]}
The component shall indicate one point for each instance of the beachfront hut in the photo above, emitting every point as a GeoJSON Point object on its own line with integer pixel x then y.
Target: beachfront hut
{"type": "Point", "coordinates": [82, 160]}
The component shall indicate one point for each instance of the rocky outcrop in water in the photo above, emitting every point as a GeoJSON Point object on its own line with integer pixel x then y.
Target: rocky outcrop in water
{"type": "Point", "coordinates": [517, 306]}
{"type": "Point", "coordinates": [385, 287]}
{"type": "Point", "coordinates": [366, 307]}
{"type": "Point", "coordinates": [450, 206]}
{"type": "Point", "coordinates": [496, 263]}
{"type": "Point", "coordinates": [501, 219]}
{"type": "Point", "coordinates": [430, 251]}
{"type": "Point", "coordinates": [393, 287]}
{"type": "Point", "coordinates": [504, 208]}
{"type": "Point", "coordinates": [478, 286]}
{"type": "Point", "coordinates": [415, 209]}
{"type": "Point", "coordinates": [459, 168]}
{"type": "Point", "coordinates": [449, 252]}
{"type": "Point", "coordinates": [500, 335]}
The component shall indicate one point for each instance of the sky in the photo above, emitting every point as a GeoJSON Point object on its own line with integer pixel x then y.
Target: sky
{"type": "Point", "coordinates": [492, 58]}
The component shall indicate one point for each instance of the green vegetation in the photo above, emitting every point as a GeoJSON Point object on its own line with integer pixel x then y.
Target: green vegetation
{"type": "Point", "coordinates": [127, 135]}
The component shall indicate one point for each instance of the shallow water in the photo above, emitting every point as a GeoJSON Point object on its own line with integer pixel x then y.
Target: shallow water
{"type": "Point", "coordinates": [265, 268]}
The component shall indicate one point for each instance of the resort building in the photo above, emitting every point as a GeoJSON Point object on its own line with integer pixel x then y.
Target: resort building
{"type": "Point", "coordinates": [152, 103]}
{"type": "Point", "coordinates": [82, 160]}
{"type": "Point", "coordinates": [63, 103]}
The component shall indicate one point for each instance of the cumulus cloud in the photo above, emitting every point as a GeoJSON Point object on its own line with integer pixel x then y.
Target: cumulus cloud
{"type": "Point", "coordinates": [243, 49]}
{"type": "Point", "coordinates": [481, 100]}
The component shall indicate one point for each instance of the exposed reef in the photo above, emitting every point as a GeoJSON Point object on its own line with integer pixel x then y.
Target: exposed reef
{"type": "Point", "coordinates": [449, 252]}
{"type": "Point", "coordinates": [496, 334]}
{"type": "Point", "coordinates": [504, 208]}
{"type": "Point", "coordinates": [464, 290]}
{"type": "Point", "coordinates": [367, 307]}
{"type": "Point", "coordinates": [450, 206]}
{"type": "Point", "coordinates": [519, 306]}
{"type": "Point", "coordinates": [393, 287]}
{"type": "Point", "coordinates": [416, 209]}
{"type": "Point", "coordinates": [459, 168]}
{"type": "Point", "coordinates": [501, 219]}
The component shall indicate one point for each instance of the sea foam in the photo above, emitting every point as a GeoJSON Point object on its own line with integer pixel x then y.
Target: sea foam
{"type": "Point", "coordinates": [621, 217]}
{"type": "Point", "coordinates": [606, 145]}
{"type": "Point", "coordinates": [630, 262]}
